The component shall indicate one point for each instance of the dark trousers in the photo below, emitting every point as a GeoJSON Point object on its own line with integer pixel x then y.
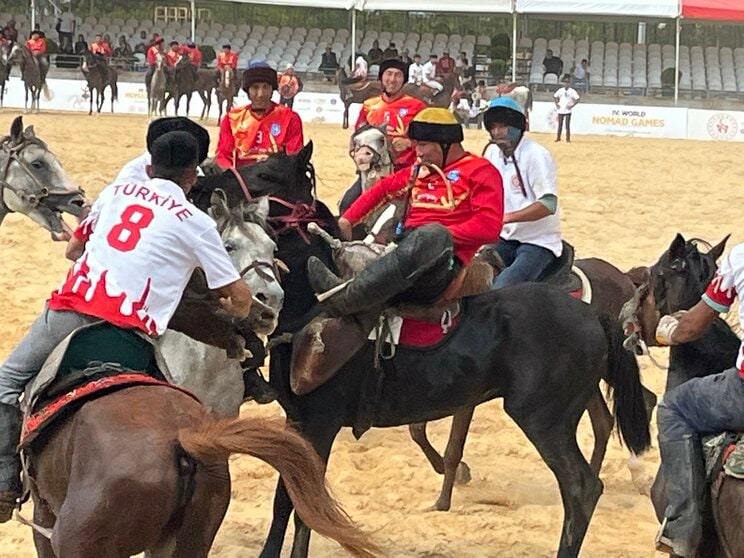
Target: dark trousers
{"type": "Point", "coordinates": [289, 102]}
{"type": "Point", "coordinates": [524, 262]}
{"type": "Point", "coordinates": [567, 119]}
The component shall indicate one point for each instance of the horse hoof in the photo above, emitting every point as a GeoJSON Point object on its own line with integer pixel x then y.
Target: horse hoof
{"type": "Point", "coordinates": [439, 506]}
{"type": "Point", "coordinates": [463, 476]}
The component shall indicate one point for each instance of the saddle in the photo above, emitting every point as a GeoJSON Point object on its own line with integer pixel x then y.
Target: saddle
{"type": "Point", "coordinates": [562, 273]}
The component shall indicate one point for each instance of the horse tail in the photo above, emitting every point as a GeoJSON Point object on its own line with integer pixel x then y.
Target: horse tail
{"type": "Point", "coordinates": [301, 470]}
{"type": "Point", "coordinates": [48, 93]}
{"type": "Point", "coordinates": [624, 378]}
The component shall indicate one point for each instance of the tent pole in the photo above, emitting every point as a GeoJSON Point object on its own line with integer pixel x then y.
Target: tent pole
{"type": "Point", "coordinates": [33, 14]}
{"type": "Point", "coordinates": [193, 20]}
{"type": "Point", "coordinates": [514, 45]}
{"type": "Point", "coordinates": [676, 63]}
{"type": "Point", "coordinates": [353, 38]}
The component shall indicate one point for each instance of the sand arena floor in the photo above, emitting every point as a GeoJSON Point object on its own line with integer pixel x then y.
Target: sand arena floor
{"type": "Point", "coordinates": [623, 199]}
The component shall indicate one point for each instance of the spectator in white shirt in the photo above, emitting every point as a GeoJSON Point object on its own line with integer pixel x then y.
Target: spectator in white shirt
{"type": "Point", "coordinates": [416, 71]}
{"type": "Point", "coordinates": [65, 29]}
{"type": "Point", "coordinates": [430, 74]}
{"type": "Point", "coordinates": [566, 98]}
{"type": "Point", "coordinates": [580, 75]}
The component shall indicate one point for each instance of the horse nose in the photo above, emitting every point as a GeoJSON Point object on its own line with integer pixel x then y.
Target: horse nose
{"type": "Point", "coordinates": [272, 303]}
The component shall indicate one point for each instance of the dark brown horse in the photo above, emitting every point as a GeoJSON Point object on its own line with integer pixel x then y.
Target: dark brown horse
{"type": "Point", "coordinates": [4, 71]}
{"type": "Point", "coordinates": [32, 74]}
{"type": "Point", "coordinates": [144, 468]}
{"type": "Point", "coordinates": [227, 88]}
{"type": "Point", "coordinates": [99, 76]}
{"type": "Point", "coordinates": [206, 83]}
{"type": "Point", "coordinates": [676, 282]}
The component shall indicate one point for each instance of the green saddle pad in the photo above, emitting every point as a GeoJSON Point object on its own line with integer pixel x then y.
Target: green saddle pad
{"type": "Point", "coordinates": [734, 466]}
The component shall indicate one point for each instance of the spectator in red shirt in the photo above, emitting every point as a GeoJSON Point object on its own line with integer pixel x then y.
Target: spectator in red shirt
{"type": "Point", "coordinates": [445, 65]}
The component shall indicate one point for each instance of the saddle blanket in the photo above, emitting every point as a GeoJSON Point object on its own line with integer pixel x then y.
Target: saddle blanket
{"type": "Point", "coordinates": [35, 422]}
{"type": "Point", "coordinates": [408, 332]}
{"type": "Point", "coordinates": [724, 451]}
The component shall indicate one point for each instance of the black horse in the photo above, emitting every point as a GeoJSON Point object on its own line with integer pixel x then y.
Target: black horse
{"type": "Point", "coordinates": [533, 345]}
{"type": "Point", "coordinates": [99, 75]}
{"type": "Point", "coordinates": [676, 282]}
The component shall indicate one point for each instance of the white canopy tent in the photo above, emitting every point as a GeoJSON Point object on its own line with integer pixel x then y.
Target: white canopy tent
{"type": "Point", "coordinates": [652, 9]}
{"type": "Point", "coordinates": [454, 6]}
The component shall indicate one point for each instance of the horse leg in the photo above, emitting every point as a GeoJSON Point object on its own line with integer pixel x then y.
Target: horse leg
{"type": "Point", "coordinates": [453, 455]}
{"type": "Point", "coordinates": [90, 101]}
{"type": "Point", "coordinates": [418, 435]}
{"type": "Point", "coordinates": [552, 430]}
{"type": "Point", "coordinates": [101, 99]}
{"type": "Point", "coordinates": [43, 517]}
{"type": "Point", "coordinates": [345, 125]}
{"type": "Point", "coordinates": [602, 423]}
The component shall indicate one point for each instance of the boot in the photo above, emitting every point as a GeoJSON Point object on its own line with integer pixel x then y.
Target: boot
{"type": "Point", "coordinates": [10, 462]}
{"type": "Point", "coordinates": [682, 529]}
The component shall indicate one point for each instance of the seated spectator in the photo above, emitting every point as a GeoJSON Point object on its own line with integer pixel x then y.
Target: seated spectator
{"type": "Point", "coordinates": [141, 46]}
{"type": "Point", "coordinates": [375, 54]}
{"type": "Point", "coordinates": [329, 64]}
{"type": "Point", "coordinates": [580, 76]}
{"type": "Point", "coordinates": [445, 65]}
{"type": "Point", "coordinates": [390, 53]}
{"type": "Point", "coordinates": [405, 57]}
{"type": "Point", "coordinates": [123, 50]}
{"type": "Point", "coordinates": [81, 45]}
{"type": "Point", "coordinates": [107, 40]}
{"type": "Point", "coordinates": [552, 64]}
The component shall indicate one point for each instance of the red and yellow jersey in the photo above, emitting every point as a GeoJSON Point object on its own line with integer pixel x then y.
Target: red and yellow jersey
{"type": "Point", "coordinates": [37, 46]}
{"type": "Point", "coordinates": [104, 49]}
{"type": "Point", "coordinates": [468, 200]}
{"type": "Point", "coordinates": [172, 57]}
{"type": "Point", "coordinates": [246, 138]}
{"type": "Point", "coordinates": [395, 115]}
{"type": "Point", "coordinates": [152, 54]}
{"type": "Point", "coordinates": [227, 59]}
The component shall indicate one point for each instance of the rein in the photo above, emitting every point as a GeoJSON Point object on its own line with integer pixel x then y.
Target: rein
{"type": "Point", "coordinates": [12, 153]}
{"type": "Point", "coordinates": [260, 268]}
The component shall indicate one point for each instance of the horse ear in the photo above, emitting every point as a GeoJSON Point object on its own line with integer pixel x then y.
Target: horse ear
{"type": "Point", "coordinates": [305, 154]}
{"type": "Point", "coordinates": [718, 249]}
{"type": "Point", "coordinates": [257, 210]}
{"type": "Point", "coordinates": [16, 130]}
{"type": "Point", "coordinates": [29, 132]}
{"type": "Point", "coordinates": [218, 209]}
{"type": "Point", "coordinates": [639, 275]}
{"type": "Point", "coordinates": [677, 247]}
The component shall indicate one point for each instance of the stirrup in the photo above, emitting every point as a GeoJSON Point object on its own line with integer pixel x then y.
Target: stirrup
{"type": "Point", "coordinates": [329, 293]}
{"type": "Point", "coordinates": [662, 543]}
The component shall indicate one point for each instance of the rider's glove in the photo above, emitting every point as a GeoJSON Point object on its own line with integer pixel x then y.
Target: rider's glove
{"type": "Point", "coordinates": [666, 328]}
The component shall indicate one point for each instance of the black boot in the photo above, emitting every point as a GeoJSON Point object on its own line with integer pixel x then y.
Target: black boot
{"type": "Point", "coordinates": [321, 278]}
{"type": "Point", "coordinates": [10, 462]}
{"type": "Point", "coordinates": [683, 468]}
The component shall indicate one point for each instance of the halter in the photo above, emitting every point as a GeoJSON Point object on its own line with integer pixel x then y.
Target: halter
{"type": "Point", "coordinates": [12, 153]}
{"type": "Point", "coordinates": [301, 214]}
{"type": "Point", "coordinates": [260, 268]}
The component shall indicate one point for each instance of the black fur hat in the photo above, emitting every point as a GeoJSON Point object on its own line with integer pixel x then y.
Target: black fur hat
{"type": "Point", "coordinates": [162, 126]}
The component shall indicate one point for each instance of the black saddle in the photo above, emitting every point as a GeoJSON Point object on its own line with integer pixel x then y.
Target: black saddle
{"type": "Point", "coordinates": [559, 272]}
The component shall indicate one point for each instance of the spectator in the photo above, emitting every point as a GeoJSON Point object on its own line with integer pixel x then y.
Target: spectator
{"type": "Point", "coordinates": [290, 85]}
{"type": "Point", "coordinates": [65, 30]}
{"type": "Point", "coordinates": [375, 54]}
{"type": "Point", "coordinates": [107, 40]}
{"type": "Point", "coordinates": [566, 98]}
{"type": "Point", "coordinates": [81, 45]}
{"type": "Point", "coordinates": [406, 58]}
{"type": "Point", "coordinates": [123, 50]}
{"type": "Point", "coordinates": [552, 64]}
{"type": "Point", "coordinates": [390, 53]}
{"type": "Point", "coordinates": [141, 46]}
{"type": "Point", "coordinates": [10, 31]}
{"type": "Point", "coordinates": [446, 64]}
{"type": "Point", "coordinates": [416, 71]}
{"type": "Point", "coordinates": [329, 64]}
{"type": "Point", "coordinates": [462, 62]}
{"type": "Point", "coordinates": [481, 91]}
{"type": "Point", "coordinates": [581, 76]}
{"type": "Point", "coordinates": [430, 74]}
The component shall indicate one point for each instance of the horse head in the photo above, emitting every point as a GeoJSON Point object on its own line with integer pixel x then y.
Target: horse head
{"type": "Point", "coordinates": [288, 177]}
{"type": "Point", "coordinates": [33, 182]}
{"type": "Point", "coordinates": [244, 233]}
{"type": "Point", "coordinates": [372, 153]}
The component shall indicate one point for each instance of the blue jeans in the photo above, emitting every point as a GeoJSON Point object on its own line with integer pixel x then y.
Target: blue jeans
{"type": "Point", "coordinates": [703, 406]}
{"type": "Point", "coordinates": [524, 262]}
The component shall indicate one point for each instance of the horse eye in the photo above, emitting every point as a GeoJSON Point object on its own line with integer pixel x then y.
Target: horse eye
{"type": "Point", "coordinates": [38, 164]}
{"type": "Point", "coordinates": [263, 176]}
{"type": "Point", "coordinates": [678, 265]}
{"type": "Point", "coordinates": [229, 247]}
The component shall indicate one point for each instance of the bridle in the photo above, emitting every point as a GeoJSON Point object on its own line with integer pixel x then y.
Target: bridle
{"type": "Point", "coordinates": [13, 151]}
{"type": "Point", "coordinates": [301, 214]}
{"type": "Point", "coordinates": [657, 276]}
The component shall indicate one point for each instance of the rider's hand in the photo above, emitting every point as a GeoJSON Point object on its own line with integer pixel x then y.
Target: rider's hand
{"type": "Point", "coordinates": [346, 228]}
{"type": "Point", "coordinates": [667, 326]}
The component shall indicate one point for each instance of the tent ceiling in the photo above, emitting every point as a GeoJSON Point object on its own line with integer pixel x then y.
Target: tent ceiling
{"type": "Point", "coordinates": [716, 10]}
{"type": "Point", "coordinates": [336, 4]}
{"type": "Point", "coordinates": [635, 8]}
{"type": "Point", "coordinates": [455, 6]}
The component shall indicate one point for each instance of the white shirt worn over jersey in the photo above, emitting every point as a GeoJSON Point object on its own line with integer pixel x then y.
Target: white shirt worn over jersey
{"type": "Point", "coordinates": [135, 170]}
{"type": "Point", "coordinates": [723, 289]}
{"type": "Point", "coordinates": [144, 240]}
{"type": "Point", "coordinates": [416, 73]}
{"type": "Point", "coordinates": [566, 99]}
{"type": "Point", "coordinates": [539, 176]}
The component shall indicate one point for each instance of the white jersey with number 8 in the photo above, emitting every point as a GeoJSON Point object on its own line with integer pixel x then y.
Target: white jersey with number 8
{"type": "Point", "coordinates": [144, 241]}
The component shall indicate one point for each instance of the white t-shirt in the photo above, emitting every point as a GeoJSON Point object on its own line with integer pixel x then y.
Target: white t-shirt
{"type": "Point", "coordinates": [540, 177]}
{"type": "Point", "coordinates": [430, 70]}
{"type": "Point", "coordinates": [360, 69]}
{"type": "Point", "coordinates": [135, 170]}
{"type": "Point", "coordinates": [144, 241]}
{"type": "Point", "coordinates": [579, 72]}
{"type": "Point", "coordinates": [566, 99]}
{"type": "Point", "coordinates": [415, 73]}
{"type": "Point", "coordinates": [67, 23]}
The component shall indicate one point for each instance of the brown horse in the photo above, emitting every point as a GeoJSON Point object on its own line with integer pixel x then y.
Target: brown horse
{"type": "Point", "coordinates": [206, 83]}
{"type": "Point", "coordinates": [145, 469]}
{"type": "Point", "coordinates": [32, 73]}
{"type": "Point", "coordinates": [99, 76]}
{"type": "Point", "coordinates": [187, 79]}
{"type": "Point", "coordinates": [227, 88]}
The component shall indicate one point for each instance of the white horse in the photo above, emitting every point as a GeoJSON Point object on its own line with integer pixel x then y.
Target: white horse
{"type": "Point", "coordinates": [203, 369]}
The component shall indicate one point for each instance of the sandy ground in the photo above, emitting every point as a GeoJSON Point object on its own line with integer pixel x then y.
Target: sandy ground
{"type": "Point", "coordinates": [623, 199]}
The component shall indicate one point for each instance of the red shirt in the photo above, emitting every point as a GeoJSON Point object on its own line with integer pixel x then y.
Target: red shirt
{"type": "Point", "coordinates": [193, 53]}
{"type": "Point", "coordinates": [473, 212]}
{"type": "Point", "coordinates": [246, 138]}
{"type": "Point", "coordinates": [445, 65]}
{"type": "Point", "coordinates": [104, 49]}
{"type": "Point", "coordinates": [227, 59]}
{"type": "Point", "coordinates": [37, 46]}
{"type": "Point", "coordinates": [396, 115]}
{"type": "Point", "coordinates": [152, 54]}
{"type": "Point", "coordinates": [172, 56]}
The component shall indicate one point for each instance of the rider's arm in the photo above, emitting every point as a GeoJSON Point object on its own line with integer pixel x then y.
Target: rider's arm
{"type": "Point", "coordinates": [75, 248]}
{"type": "Point", "coordinates": [487, 203]}
{"type": "Point", "coordinates": [543, 207]}
{"type": "Point", "coordinates": [389, 188]}
{"type": "Point", "coordinates": [362, 120]}
{"type": "Point", "coordinates": [236, 298]}
{"type": "Point", "coordinates": [295, 139]}
{"type": "Point", "coordinates": [225, 145]}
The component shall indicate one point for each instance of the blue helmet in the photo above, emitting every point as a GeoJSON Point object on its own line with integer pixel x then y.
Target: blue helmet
{"type": "Point", "coordinates": [505, 110]}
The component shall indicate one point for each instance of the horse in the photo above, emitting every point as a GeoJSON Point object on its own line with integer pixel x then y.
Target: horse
{"type": "Point", "coordinates": [352, 95]}
{"type": "Point", "coordinates": [443, 99]}
{"type": "Point", "coordinates": [33, 182]}
{"type": "Point", "coordinates": [99, 76]}
{"type": "Point", "coordinates": [206, 370]}
{"type": "Point", "coordinates": [206, 83]}
{"type": "Point", "coordinates": [4, 71]}
{"type": "Point", "coordinates": [33, 75]}
{"type": "Point", "coordinates": [546, 380]}
{"type": "Point", "coordinates": [158, 86]}
{"type": "Point", "coordinates": [227, 88]}
{"type": "Point", "coordinates": [676, 282]}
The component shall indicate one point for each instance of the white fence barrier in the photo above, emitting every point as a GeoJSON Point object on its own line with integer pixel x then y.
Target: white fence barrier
{"type": "Point", "coordinates": [613, 120]}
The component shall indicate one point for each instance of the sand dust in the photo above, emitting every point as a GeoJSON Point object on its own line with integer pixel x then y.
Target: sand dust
{"type": "Point", "coordinates": [623, 199]}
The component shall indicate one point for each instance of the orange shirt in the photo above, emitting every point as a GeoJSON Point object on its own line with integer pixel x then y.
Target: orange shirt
{"type": "Point", "coordinates": [194, 55]}
{"type": "Point", "coordinates": [37, 46]}
{"type": "Point", "coordinates": [171, 57]}
{"type": "Point", "coordinates": [152, 54]}
{"type": "Point", "coordinates": [396, 115]}
{"type": "Point", "coordinates": [246, 138]}
{"type": "Point", "coordinates": [227, 59]}
{"type": "Point", "coordinates": [101, 48]}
